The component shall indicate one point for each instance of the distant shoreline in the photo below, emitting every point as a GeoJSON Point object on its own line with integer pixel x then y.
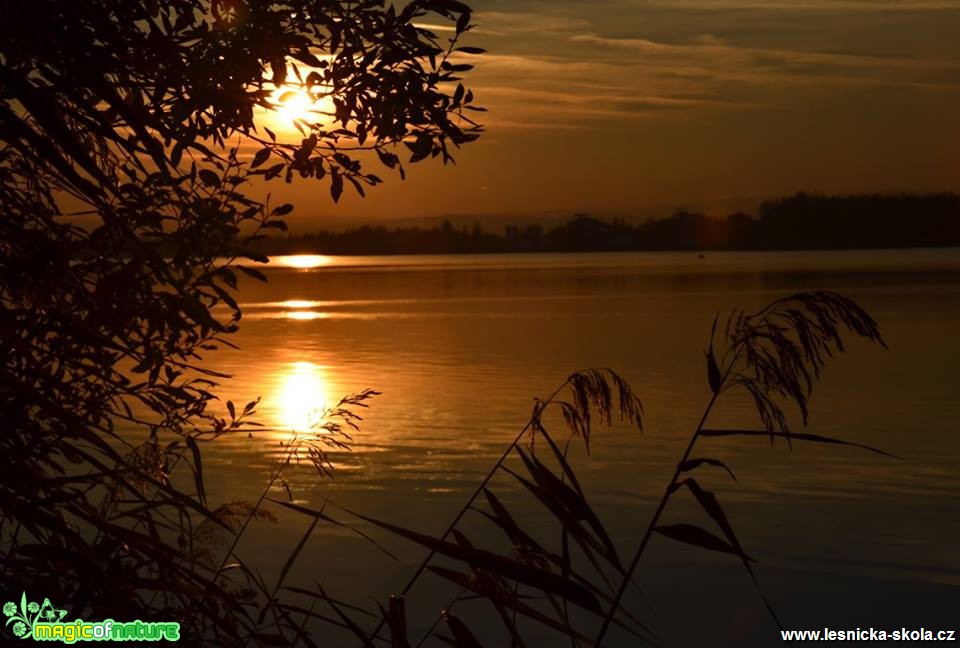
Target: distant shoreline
{"type": "Point", "coordinates": [703, 253]}
{"type": "Point", "coordinates": [801, 222]}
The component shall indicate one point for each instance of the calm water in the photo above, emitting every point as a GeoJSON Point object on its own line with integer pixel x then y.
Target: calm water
{"type": "Point", "coordinates": [460, 345]}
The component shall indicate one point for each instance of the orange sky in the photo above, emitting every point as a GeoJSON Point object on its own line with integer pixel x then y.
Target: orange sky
{"type": "Point", "coordinates": [619, 105]}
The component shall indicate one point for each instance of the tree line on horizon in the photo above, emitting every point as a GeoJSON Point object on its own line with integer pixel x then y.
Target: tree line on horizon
{"type": "Point", "coordinates": [803, 221]}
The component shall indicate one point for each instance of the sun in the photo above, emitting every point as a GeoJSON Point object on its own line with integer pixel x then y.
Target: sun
{"type": "Point", "coordinates": [290, 104]}
{"type": "Point", "coordinates": [293, 104]}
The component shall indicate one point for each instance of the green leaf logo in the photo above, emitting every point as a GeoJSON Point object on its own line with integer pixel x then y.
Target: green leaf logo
{"type": "Point", "coordinates": [24, 616]}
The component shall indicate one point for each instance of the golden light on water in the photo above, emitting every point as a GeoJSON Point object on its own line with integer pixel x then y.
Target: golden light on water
{"type": "Point", "coordinates": [306, 315]}
{"type": "Point", "coordinates": [299, 303]}
{"type": "Point", "coordinates": [302, 394]}
{"type": "Point", "coordinates": [302, 309]}
{"type": "Point", "coordinates": [301, 261]}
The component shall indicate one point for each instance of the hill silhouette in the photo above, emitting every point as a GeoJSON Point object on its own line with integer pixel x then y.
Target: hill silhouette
{"type": "Point", "coordinates": [799, 222]}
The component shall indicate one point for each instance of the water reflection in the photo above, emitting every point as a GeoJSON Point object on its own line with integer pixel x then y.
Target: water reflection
{"type": "Point", "coordinates": [301, 309]}
{"type": "Point", "coordinates": [300, 261]}
{"type": "Point", "coordinates": [305, 315]}
{"type": "Point", "coordinates": [457, 383]}
{"type": "Point", "coordinates": [298, 303]}
{"type": "Point", "coordinates": [302, 393]}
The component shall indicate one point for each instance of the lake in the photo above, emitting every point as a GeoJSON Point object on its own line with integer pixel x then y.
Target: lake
{"type": "Point", "coordinates": [460, 345]}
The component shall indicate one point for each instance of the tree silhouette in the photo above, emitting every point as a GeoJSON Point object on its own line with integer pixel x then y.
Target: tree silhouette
{"type": "Point", "coordinates": [122, 189]}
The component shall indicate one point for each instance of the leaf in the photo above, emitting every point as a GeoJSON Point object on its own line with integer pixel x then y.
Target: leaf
{"type": "Point", "coordinates": [357, 186]}
{"type": "Point", "coordinates": [336, 186]}
{"type": "Point", "coordinates": [306, 57]}
{"type": "Point", "coordinates": [421, 147]}
{"type": "Point", "coordinates": [388, 159]}
{"type": "Point", "coordinates": [326, 518]}
{"type": "Point", "coordinates": [273, 171]}
{"type": "Point", "coordinates": [324, 596]}
{"type": "Point", "coordinates": [349, 623]}
{"type": "Point", "coordinates": [502, 566]}
{"type": "Point", "coordinates": [310, 613]}
{"type": "Point", "coordinates": [297, 627]}
{"type": "Point", "coordinates": [279, 69]}
{"type": "Point", "coordinates": [692, 464]}
{"type": "Point", "coordinates": [584, 539]}
{"type": "Point", "coordinates": [228, 277]}
{"type": "Point", "coordinates": [696, 536]}
{"type": "Point", "coordinates": [292, 558]}
{"type": "Point", "coordinates": [461, 633]}
{"type": "Point", "coordinates": [562, 460]}
{"type": "Point", "coordinates": [795, 436]}
{"type": "Point", "coordinates": [255, 256]}
{"type": "Point", "coordinates": [192, 306]}
{"type": "Point", "coordinates": [282, 210]}
{"type": "Point", "coordinates": [504, 598]}
{"type": "Point", "coordinates": [713, 371]}
{"type": "Point", "coordinates": [197, 469]}
{"type": "Point", "coordinates": [261, 156]}
{"type": "Point", "coordinates": [471, 50]}
{"type": "Point", "coordinates": [503, 519]}
{"type": "Point", "coordinates": [463, 22]}
{"type": "Point", "coordinates": [573, 502]}
{"type": "Point", "coordinates": [176, 155]}
{"type": "Point", "coordinates": [253, 272]}
{"type": "Point", "coordinates": [209, 178]}
{"type": "Point", "coordinates": [711, 505]}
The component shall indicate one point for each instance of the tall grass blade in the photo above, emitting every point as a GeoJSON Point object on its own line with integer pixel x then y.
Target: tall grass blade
{"type": "Point", "coordinates": [326, 518]}
{"type": "Point", "coordinates": [500, 565]}
{"type": "Point", "coordinates": [797, 436]}
{"type": "Point", "coordinates": [698, 537]}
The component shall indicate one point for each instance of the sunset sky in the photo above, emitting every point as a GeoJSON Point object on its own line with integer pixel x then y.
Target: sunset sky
{"type": "Point", "coordinates": [619, 105]}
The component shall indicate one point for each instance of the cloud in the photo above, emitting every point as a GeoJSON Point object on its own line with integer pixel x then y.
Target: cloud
{"type": "Point", "coordinates": [770, 65]}
{"type": "Point", "coordinates": [512, 23]}
{"type": "Point", "coordinates": [567, 64]}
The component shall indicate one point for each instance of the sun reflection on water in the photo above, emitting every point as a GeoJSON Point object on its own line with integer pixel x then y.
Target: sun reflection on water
{"type": "Point", "coordinates": [302, 394]}
{"type": "Point", "coordinates": [299, 303]}
{"type": "Point", "coordinates": [306, 315]}
{"type": "Point", "coordinates": [300, 261]}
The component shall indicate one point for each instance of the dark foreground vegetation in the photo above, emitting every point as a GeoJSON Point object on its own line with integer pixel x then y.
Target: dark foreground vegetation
{"type": "Point", "coordinates": [800, 222]}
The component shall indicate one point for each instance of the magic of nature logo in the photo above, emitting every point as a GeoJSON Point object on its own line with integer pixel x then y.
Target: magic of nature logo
{"type": "Point", "coordinates": [44, 622]}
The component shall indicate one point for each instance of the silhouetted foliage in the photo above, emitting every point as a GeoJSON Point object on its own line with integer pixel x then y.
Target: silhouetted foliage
{"type": "Point", "coordinates": [123, 212]}
{"type": "Point", "coordinates": [802, 222]}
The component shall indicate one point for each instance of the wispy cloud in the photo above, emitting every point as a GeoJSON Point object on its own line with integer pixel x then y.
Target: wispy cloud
{"type": "Point", "coordinates": [713, 53]}
{"type": "Point", "coordinates": [624, 61]}
{"type": "Point", "coordinates": [512, 23]}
